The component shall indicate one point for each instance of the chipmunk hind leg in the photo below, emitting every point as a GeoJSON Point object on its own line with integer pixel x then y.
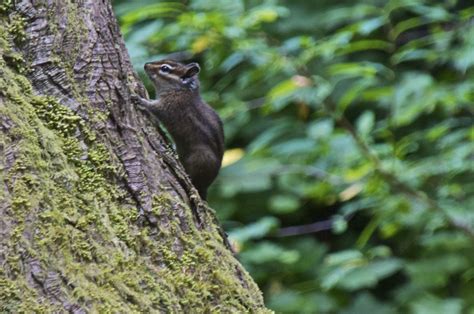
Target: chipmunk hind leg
{"type": "Point", "coordinates": [202, 169]}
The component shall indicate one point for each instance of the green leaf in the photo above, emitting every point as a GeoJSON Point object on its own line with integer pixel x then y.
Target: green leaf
{"type": "Point", "coordinates": [284, 204]}
{"type": "Point", "coordinates": [365, 123]}
{"type": "Point", "coordinates": [345, 257]}
{"type": "Point", "coordinates": [369, 275]}
{"type": "Point", "coordinates": [267, 252]}
{"type": "Point", "coordinates": [357, 275]}
{"type": "Point", "coordinates": [433, 305]}
{"type": "Point", "coordinates": [435, 271]}
{"type": "Point", "coordinates": [255, 230]}
{"type": "Point", "coordinates": [366, 303]}
{"type": "Point", "coordinates": [320, 129]}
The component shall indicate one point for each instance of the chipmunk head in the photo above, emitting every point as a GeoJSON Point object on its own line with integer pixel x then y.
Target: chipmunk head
{"type": "Point", "coordinates": [172, 75]}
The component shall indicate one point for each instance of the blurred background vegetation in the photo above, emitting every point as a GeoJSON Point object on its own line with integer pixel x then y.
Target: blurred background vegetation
{"type": "Point", "coordinates": [348, 181]}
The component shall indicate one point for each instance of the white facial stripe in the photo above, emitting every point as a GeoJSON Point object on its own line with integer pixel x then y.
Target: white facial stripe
{"type": "Point", "coordinates": [171, 76]}
{"type": "Point", "coordinates": [170, 66]}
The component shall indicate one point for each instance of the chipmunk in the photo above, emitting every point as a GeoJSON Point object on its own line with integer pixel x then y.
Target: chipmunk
{"type": "Point", "coordinates": [194, 126]}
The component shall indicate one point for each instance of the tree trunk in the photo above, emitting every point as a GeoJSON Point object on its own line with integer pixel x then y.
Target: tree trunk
{"type": "Point", "coordinates": [96, 214]}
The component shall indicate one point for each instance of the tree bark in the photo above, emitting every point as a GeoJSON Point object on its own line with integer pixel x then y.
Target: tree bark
{"type": "Point", "coordinates": [96, 213]}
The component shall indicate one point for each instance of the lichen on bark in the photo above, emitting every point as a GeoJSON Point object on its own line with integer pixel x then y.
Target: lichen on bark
{"type": "Point", "coordinates": [96, 214]}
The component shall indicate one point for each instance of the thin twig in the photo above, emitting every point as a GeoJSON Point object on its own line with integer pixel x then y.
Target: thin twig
{"type": "Point", "coordinates": [310, 228]}
{"type": "Point", "coordinates": [313, 172]}
{"type": "Point", "coordinates": [306, 229]}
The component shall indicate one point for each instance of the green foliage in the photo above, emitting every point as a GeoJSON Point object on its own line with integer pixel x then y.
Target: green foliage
{"type": "Point", "coordinates": [357, 114]}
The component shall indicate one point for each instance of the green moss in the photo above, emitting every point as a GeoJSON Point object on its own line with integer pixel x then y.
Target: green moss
{"type": "Point", "coordinates": [6, 6]}
{"type": "Point", "coordinates": [16, 27]}
{"type": "Point", "coordinates": [12, 298]}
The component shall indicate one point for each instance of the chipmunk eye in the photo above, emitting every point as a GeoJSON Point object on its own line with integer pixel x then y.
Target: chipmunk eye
{"type": "Point", "coordinates": [164, 68]}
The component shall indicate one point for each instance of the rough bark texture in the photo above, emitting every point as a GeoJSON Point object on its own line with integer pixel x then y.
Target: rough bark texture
{"type": "Point", "coordinates": [96, 214]}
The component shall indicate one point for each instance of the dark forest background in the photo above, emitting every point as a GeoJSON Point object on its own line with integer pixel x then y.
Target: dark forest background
{"type": "Point", "coordinates": [348, 181]}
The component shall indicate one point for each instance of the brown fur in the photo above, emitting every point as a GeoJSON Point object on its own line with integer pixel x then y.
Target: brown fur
{"type": "Point", "coordinates": [194, 125]}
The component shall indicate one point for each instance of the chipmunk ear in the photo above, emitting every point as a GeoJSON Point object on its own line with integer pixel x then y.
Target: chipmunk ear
{"type": "Point", "coordinates": [192, 69]}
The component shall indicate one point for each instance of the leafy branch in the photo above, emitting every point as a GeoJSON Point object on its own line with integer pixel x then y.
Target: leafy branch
{"type": "Point", "coordinates": [394, 182]}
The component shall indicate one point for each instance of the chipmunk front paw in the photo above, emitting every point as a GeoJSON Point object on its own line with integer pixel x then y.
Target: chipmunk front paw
{"type": "Point", "coordinates": [136, 100]}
